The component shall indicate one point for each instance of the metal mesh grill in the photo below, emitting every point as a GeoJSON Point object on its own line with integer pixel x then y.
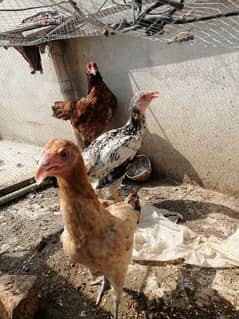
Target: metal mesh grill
{"type": "Point", "coordinates": [211, 23]}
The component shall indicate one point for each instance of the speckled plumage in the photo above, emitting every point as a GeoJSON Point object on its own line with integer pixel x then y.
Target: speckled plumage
{"type": "Point", "coordinates": [116, 146]}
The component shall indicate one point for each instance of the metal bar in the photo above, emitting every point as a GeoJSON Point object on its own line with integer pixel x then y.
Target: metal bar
{"type": "Point", "coordinates": [63, 9]}
{"type": "Point", "coordinates": [27, 28]}
{"type": "Point", "coordinates": [205, 18]}
{"type": "Point", "coordinates": [145, 262]}
{"type": "Point", "coordinates": [32, 8]}
{"type": "Point", "coordinates": [14, 187]}
{"type": "Point", "coordinates": [21, 192]}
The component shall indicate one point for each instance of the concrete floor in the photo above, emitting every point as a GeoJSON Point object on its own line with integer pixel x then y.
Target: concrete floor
{"type": "Point", "coordinates": [18, 162]}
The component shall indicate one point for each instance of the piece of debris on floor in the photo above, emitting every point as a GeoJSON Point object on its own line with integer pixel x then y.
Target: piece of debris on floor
{"type": "Point", "coordinates": [158, 238]}
{"type": "Point", "coordinates": [18, 296]}
{"type": "Point", "coordinates": [181, 37]}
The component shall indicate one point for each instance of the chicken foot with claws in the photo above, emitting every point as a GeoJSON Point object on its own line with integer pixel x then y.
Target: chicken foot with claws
{"type": "Point", "coordinates": [104, 286]}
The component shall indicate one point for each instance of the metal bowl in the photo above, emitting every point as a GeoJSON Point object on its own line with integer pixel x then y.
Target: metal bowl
{"type": "Point", "coordinates": [140, 169]}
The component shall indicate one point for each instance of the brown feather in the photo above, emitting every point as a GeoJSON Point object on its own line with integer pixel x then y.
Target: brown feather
{"type": "Point", "coordinates": [63, 109]}
{"type": "Point", "coordinates": [91, 115]}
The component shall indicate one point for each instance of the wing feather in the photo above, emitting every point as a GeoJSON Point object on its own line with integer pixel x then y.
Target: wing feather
{"type": "Point", "coordinates": [109, 151]}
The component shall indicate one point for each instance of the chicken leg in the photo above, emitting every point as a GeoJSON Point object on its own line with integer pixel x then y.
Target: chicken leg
{"type": "Point", "coordinates": [114, 190]}
{"type": "Point", "coordinates": [100, 193]}
{"type": "Point", "coordinates": [116, 310]}
{"type": "Point", "coordinates": [115, 195]}
{"type": "Point", "coordinates": [104, 286]}
{"type": "Point", "coordinates": [117, 287]}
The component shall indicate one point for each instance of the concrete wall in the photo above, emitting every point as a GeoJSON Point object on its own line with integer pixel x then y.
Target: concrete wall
{"type": "Point", "coordinates": [192, 128]}
{"type": "Point", "coordinates": [26, 99]}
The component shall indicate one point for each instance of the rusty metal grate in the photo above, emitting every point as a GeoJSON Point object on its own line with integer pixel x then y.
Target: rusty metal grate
{"type": "Point", "coordinates": [210, 23]}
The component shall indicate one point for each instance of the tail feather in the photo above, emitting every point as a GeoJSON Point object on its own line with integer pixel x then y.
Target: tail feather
{"type": "Point", "coordinates": [114, 175]}
{"type": "Point", "coordinates": [63, 109]}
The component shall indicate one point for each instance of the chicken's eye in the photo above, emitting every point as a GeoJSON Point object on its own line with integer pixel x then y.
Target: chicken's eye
{"type": "Point", "coordinates": [63, 154]}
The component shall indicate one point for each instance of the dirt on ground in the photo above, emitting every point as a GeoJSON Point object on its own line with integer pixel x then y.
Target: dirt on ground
{"type": "Point", "coordinates": [29, 244]}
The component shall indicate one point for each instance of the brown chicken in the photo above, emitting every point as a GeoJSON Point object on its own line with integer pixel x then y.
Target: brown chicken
{"type": "Point", "coordinates": [97, 235]}
{"type": "Point", "coordinates": [90, 115]}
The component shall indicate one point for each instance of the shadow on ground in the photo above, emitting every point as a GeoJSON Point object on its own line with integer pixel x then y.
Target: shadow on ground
{"type": "Point", "coordinates": [193, 298]}
{"type": "Point", "coordinates": [192, 209]}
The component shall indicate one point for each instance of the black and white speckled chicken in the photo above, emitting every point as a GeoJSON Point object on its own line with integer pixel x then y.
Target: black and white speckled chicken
{"type": "Point", "coordinates": [108, 156]}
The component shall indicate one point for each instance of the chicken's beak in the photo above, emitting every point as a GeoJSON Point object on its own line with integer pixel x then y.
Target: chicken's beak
{"type": "Point", "coordinates": [145, 100]}
{"type": "Point", "coordinates": [43, 169]}
{"type": "Point", "coordinates": [40, 175]}
{"type": "Point", "coordinates": [93, 72]}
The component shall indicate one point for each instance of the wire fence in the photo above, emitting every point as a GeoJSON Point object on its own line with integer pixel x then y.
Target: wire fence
{"type": "Point", "coordinates": [208, 22]}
